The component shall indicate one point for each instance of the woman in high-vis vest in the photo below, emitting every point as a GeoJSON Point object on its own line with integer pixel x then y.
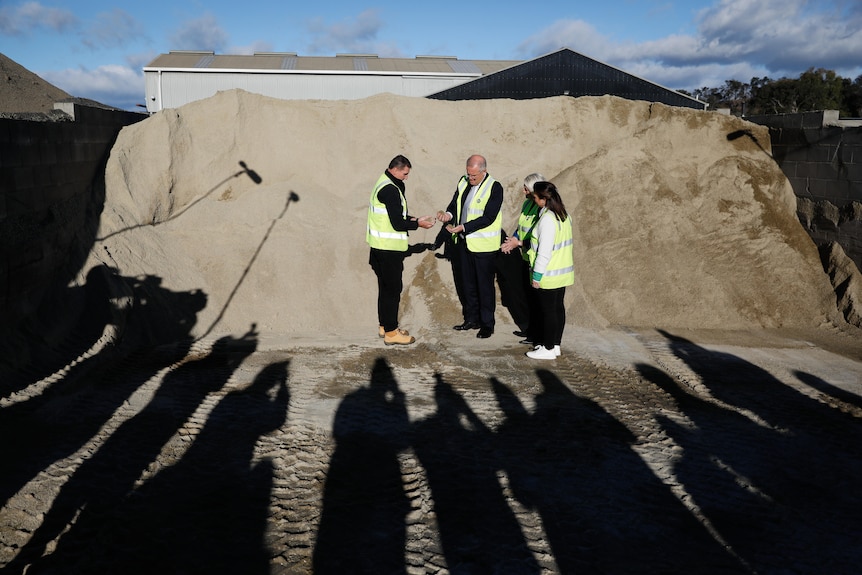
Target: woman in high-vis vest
{"type": "Point", "coordinates": [521, 305]}
{"type": "Point", "coordinates": [553, 269]}
{"type": "Point", "coordinates": [386, 234]}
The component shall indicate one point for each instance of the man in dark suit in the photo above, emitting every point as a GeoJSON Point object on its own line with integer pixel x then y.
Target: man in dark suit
{"type": "Point", "coordinates": [475, 220]}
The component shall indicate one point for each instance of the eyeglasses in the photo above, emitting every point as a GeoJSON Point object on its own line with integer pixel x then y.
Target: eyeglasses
{"type": "Point", "coordinates": [469, 175]}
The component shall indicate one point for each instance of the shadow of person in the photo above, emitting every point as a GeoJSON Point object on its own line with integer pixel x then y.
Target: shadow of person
{"type": "Point", "coordinates": [479, 533]}
{"type": "Point", "coordinates": [70, 409]}
{"type": "Point", "coordinates": [207, 512]}
{"type": "Point", "coordinates": [102, 482]}
{"type": "Point", "coordinates": [831, 391]}
{"type": "Point", "coordinates": [38, 346]}
{"type": "Point", "coordinates": [159, 315]}
{"type": "Point", "coordinates": [775, 472]}
{"type": "Point", "coordinates": [602, 508]}
{"type": "Point", "coordinates": [363, 523]}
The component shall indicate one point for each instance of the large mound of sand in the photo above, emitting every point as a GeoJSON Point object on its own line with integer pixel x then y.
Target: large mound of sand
{"type": "Point", "coordinates": [22, 91]}
{"type": "Point", "coordinates": [682, 218]}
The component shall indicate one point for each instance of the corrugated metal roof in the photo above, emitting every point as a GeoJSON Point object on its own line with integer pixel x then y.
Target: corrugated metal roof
{"type": "Point", "coordinates": [464, 67]}
{"type": "Point", "coordinates": [348, 63]}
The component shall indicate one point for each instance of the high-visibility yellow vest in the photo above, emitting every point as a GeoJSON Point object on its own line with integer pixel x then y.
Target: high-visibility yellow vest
{"type": "Point", "coordinates": [486, 239]}
{"type": "Point", "coordinates": [561, 269]}
{"type": "Point", "coordinates": [527, 220]}
{"type": "Point", "coordinates": [380, 234]}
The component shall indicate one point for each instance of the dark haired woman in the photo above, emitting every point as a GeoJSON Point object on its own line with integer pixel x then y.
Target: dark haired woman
{"type": "Point", "coordinates": [553, 269]}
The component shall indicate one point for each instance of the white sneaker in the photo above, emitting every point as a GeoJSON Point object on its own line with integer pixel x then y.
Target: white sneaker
{"type": "Point", "coordinates": [557, 351]}
{"type": "Point", "coordinates": [541, 352]}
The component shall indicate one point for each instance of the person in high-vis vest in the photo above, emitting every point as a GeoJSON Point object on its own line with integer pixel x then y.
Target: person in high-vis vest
{"type": "Point", "coordinates": [521, 306]}
{"type": "Point", "coordinates": [475, 221]}
{"type": "Point", "coordinates": [386, 234]}
{"type": "Point", "coordinates": [553, 269]}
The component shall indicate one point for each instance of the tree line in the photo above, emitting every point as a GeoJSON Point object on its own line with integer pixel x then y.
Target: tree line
{"type": "Point", "coordinates": [814, 89]}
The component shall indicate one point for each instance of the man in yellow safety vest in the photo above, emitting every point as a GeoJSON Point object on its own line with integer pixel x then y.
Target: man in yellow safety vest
{"type": "Point", "coordinates": [386, 234]}
{"type": "Point", "coordinates": [475, 222]}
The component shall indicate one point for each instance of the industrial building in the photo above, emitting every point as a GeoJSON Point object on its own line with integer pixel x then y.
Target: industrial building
{"type": "Point", "coordinates": [180, 77]}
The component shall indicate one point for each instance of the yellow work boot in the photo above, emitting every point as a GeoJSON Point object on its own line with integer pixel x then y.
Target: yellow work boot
{"type": "Point", "coordinates": [398, 337]}
{"type": "Point", "coordinates": [382, 332]}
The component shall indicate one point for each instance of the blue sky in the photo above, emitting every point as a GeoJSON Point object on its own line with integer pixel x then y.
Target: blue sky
{"type": "Point", "coordinates": [94, 49]}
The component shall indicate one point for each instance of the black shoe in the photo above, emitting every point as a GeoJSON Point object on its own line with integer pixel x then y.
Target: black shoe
{"type": "Point", "coordinates": [527, 341]}
{"type": "Point", "coordinates": [485, 332]}
{"type": "Point", "coordinates": [520, 333]}
{"type": "Point", "coordinates": [466, 325]}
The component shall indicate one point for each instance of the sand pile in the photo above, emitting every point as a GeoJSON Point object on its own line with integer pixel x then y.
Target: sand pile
{"type": "Point", "coordinates": [846, 281]}
{"type": "Point", "coordinates": [682, 218]}
{"type": "Point", "coordinates": [22, 91]}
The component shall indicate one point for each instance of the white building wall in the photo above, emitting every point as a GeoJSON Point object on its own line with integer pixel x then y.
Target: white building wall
{"type": "Point", "coordinates": [172, 89]}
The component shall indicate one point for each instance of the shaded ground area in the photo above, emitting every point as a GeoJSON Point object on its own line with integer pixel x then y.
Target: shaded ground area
{"type": "Point", "coordinates": [635, 452]}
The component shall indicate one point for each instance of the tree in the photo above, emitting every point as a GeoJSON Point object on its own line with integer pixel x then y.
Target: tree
{"type": "Point", "coordinates": [775, 97]}
{"type": "Point", "coordinates": [819, 90]}
{"type": "Point", "coordinates": [736, 96]}
{"type": "Point", "coordinates": [851, 97]}
{"type": "Point", "coordinates": [815, 89]}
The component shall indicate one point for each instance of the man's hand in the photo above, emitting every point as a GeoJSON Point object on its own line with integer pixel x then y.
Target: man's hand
{"type": "Point", "coordinates": [426, 222]}
{"type": "Point", "coordinates": [459, 229]}
{"type": "Point", "coordinates": [510, 244]}
{"type": "Point", "coordinates": [443, 216]}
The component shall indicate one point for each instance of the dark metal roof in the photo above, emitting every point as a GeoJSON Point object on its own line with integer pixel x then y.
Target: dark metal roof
{"type": "Point", "coordinates": [568, 73]}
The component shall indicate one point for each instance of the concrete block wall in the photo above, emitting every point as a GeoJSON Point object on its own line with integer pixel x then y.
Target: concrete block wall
{"type": "Point", "coordinates": [51, 196]}
{"type": "Point", "coordinates": [822, 157]}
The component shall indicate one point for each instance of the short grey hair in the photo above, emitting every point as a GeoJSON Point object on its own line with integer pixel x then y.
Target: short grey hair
{"type": "Point", "coordinates": [531, 180]}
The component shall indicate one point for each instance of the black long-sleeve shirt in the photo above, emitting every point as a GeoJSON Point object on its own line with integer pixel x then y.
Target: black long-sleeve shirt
{"type": "Point", "coordinates": [389, 196]}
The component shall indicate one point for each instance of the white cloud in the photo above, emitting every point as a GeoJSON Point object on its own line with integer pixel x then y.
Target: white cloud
{"type": "Point", "coordinates": [138, 61]}
{"type": "Point", "coordinates": [113, 29]}
{"type": "Point", "coordinates": [32, 15]}
{"type": "Point", "coordinates": [202, 33]}
{"type": "Point", "coordinates": [575, 34]}
{"type": "Point", "coordinates": [115, 85]}
{"type": "Point", "coordinates": [735, 39]}
{"type": "Point", "coordinates": [358, 35]}
{"type": "Point", "coordinates": [780, 34]}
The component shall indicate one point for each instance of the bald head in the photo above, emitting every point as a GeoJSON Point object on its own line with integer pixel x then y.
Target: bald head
{"type": "Point", "coordinates": [476, 161]}
{"type": "Point", "coordinates": [475, 169]}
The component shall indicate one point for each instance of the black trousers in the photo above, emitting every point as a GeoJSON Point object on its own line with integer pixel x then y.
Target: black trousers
{"type": "Point", "coordinates": [455, 255]}
{"type": "Point", "coordinates": [534, 331]}
{"type": "Point", "coordinates": [512, 274]}
{"type": "Point", "coordinates": [551, 318]}
{"type": "Point", "coordinates": [478, 295]}
{"type": "Point", "coordinates": [388, 266]}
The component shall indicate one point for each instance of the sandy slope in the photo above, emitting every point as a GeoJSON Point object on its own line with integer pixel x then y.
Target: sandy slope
{"type": "Point", "coordinates": [682, 218]}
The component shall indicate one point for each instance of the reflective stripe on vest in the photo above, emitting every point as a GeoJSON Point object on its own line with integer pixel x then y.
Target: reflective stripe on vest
{"type": "Point", "coordinates": [486, 239]}
{"type": "Point", "coordinates": [379, 232]}
{"type": "Point", "coordinates": [561, 268]}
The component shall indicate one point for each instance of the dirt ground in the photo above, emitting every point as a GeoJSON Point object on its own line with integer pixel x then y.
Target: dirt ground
{"type": "Point", "coordinates": [638, 451]}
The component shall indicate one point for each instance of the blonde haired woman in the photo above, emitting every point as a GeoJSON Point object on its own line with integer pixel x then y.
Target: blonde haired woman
{"type": "Point", "coordinates": [520, 303]}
